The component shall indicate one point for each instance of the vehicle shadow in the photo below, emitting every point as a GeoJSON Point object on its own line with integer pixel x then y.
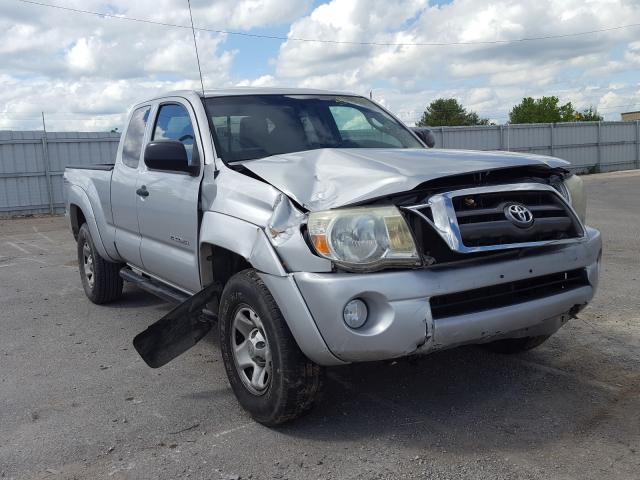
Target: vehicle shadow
{"type": "Point", "coordinates": [466, 399]}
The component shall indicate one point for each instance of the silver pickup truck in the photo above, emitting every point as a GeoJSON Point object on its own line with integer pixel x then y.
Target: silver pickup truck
{"type": "Point", "coordinates": [316, 230]}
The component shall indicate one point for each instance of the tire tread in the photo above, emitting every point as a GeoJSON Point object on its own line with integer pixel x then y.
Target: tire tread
{"type": "Point", "coordinates": [108, 283]}
{"type": "Point", "coordinates": [302, 381]}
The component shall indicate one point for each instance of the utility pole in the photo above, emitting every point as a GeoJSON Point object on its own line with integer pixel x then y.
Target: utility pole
{"type": "Point", "coordinates": [47, 167]}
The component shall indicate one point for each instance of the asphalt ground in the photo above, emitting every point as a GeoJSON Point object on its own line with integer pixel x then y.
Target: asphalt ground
{"type": "Point", "coordinates": [76, 401]}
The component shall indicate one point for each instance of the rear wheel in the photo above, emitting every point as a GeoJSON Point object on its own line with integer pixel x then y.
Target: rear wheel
{"type": "Point", "coordinates": [270, 376]}
{"type": "Point", "coordinates": [100, 278]}
{"type": "Point", "coordinates": [516, 345]}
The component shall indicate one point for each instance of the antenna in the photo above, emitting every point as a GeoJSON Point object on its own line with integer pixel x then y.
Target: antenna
{"type": "Point", "coordinates": [195, 44]}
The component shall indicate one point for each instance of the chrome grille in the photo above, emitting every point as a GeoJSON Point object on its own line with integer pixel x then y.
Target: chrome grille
{"type": "Point", "coordinates": [482, 220]}
{"type": "Point", "coordinates": [474, 219]}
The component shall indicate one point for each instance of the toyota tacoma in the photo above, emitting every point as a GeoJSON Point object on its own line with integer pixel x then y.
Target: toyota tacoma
{"type": "Point", "coordinates": [316, 229]}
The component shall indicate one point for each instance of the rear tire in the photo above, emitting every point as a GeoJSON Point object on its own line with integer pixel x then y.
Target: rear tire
{"type": "Point", "coordinates": [100, 278]}
{"type": "Point", "coordinates": [516, 345]}
{"type": "Point", "coordinates": [270, 376]}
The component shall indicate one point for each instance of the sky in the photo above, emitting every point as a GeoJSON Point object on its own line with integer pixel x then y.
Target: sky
{"type": "Point", "coordinates": [84, 71]}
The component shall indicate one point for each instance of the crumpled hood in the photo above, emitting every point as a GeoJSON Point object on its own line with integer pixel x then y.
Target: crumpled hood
{"type": "Point", "coordinates": [328, 178]}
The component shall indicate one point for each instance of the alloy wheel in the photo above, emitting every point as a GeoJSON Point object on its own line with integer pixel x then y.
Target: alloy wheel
{"type": "Point", "coordinates": [251, 352]}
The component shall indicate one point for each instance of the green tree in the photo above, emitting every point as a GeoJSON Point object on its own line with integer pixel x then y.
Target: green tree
{"type": "Point", "coordinates": [588, 115]}
{"type": "Point", "coordinates": [449, 112]}
{"type": "Point", "coordinates": [542, 110]}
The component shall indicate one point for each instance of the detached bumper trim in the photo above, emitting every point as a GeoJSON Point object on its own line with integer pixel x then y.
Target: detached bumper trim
{"type": "Point", "coordinates": [506, 294]}
{"type": "Point", "coordinates": [539, 317]}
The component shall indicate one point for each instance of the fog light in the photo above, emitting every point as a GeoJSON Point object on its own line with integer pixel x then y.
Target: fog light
{"type": "Point", "coordinates": [355, 313]}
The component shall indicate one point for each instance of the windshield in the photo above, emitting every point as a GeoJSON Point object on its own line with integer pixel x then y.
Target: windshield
{"type": "Point", "coordinates": [256, 126]}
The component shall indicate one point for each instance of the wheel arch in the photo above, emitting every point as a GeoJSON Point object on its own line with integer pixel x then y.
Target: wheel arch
{"type": "Point", "coordinates": [240, 245]}
{"type": "Point", "coordinates": [219, 264]}
{"type": "Point", "coordinates": [225, 237]}
{"type": "Point", "coordinates": [77, 218]}
{"type": "Point", "coordinates": [229, 245]}
{"type": "Point", "coordinates": [81, 211]}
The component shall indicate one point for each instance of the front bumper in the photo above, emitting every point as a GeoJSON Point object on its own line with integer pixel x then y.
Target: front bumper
{"type": "Point", "coordinates": [400, 320]}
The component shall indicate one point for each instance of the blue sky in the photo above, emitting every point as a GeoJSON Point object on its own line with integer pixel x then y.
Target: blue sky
{"type": "Point", "coordinates": [255, 58]}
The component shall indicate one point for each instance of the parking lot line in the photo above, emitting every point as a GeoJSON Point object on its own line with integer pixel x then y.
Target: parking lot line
{"type": "Point", "coordinates": [18, 247]}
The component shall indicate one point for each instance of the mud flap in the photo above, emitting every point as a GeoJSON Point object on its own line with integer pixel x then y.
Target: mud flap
{"type": "Point", "coordinates": [177, 331]}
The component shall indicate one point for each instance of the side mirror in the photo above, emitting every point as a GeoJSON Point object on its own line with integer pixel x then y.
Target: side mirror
{"type": "Point", "coordinates": [426, 135]}
{"type": "Point", "coordinates": [169, 155]}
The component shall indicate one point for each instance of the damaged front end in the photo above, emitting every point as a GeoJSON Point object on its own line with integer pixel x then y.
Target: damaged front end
{"type": "Point", "coordinates": [480, 277]}
{"type": "Point", "coordinates": [426, 261]}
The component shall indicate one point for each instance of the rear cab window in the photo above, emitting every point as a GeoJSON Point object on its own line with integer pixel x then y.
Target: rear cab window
{"type": "Point", "coordinates": [132, 147]}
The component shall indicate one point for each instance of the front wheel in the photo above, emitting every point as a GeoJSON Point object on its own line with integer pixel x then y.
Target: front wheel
{"type": "Point", "coordinates": [270, 376]}
{"type": "Point", "coordinates": [100, 278]}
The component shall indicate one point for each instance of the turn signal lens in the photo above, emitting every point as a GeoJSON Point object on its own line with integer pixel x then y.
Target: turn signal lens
{"type": "Point", "coordinates": [577, 197]}
{"type": "Point", "coordinates": [320, 244]}
{"type": "Point", "coordinates": [400, 239]}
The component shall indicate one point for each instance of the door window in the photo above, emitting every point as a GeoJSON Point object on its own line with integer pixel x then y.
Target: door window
{"type": "Point", "coordinates": [134, 136]}
{"type": "Point", "coordinates": [173, 123]}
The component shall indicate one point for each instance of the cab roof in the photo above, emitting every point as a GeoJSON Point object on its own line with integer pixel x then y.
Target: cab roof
{"type": "Point", "coordinates": [236, 91]}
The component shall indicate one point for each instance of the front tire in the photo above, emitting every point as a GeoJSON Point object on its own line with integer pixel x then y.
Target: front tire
{"type": "Point", "coordinates": [100, 278]}
{"type": "Point", "coordinates": [270, 376]}
{"type": "Point", "coordinates": [516, 345]}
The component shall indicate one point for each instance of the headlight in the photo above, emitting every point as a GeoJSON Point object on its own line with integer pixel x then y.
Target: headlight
{"type": "Point", "coordinates": [363, 238]}
{"type": "Point", "coordinates": [577, 198]}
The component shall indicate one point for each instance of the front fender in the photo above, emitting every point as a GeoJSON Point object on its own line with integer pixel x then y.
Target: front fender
{"type": "Point", "coordinates": [250, 242]}
{"type": "Point", "coordinates": [244, 238]}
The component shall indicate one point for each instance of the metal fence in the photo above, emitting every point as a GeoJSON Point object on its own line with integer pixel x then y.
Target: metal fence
{"type": "Point", "coordinates": [589, 146]}
{"type": "Point", "coordinates": [32, 164]}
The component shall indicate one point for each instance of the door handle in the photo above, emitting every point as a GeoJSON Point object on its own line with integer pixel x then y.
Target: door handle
{"type": "Point", "coordinates": [142, 191]}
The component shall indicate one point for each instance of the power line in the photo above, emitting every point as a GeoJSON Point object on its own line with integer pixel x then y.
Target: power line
{"type": "Point", "coordinates": [337, 42]}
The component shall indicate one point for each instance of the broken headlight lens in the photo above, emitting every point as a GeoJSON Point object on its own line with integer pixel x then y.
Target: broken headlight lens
{"type": "Point", "coordinates": [363, 238]}
{"type": "Point", "coordinates": [575, 189]}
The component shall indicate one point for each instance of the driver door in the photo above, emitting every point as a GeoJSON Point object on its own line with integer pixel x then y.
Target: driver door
{"type": "Point", "coordinates": [168, 206]}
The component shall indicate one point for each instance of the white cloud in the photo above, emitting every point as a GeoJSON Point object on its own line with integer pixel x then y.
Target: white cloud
{"type": "Point", "coordinates": [80, 57]}
{"type": "Point", "coordinates": [60, 62]}
{"type": "Point", "coordinates": [509, 71]}
{"type": "Point", "coordinates": [247, 14]}
{"type": "Point", "coordinates": [218, 14]}
{"type": "Point", "coordinates": [262, 81]}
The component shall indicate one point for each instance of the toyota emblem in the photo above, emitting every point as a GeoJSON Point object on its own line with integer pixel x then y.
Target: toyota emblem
{"type": "Point", "coordinates": [519, 215]}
